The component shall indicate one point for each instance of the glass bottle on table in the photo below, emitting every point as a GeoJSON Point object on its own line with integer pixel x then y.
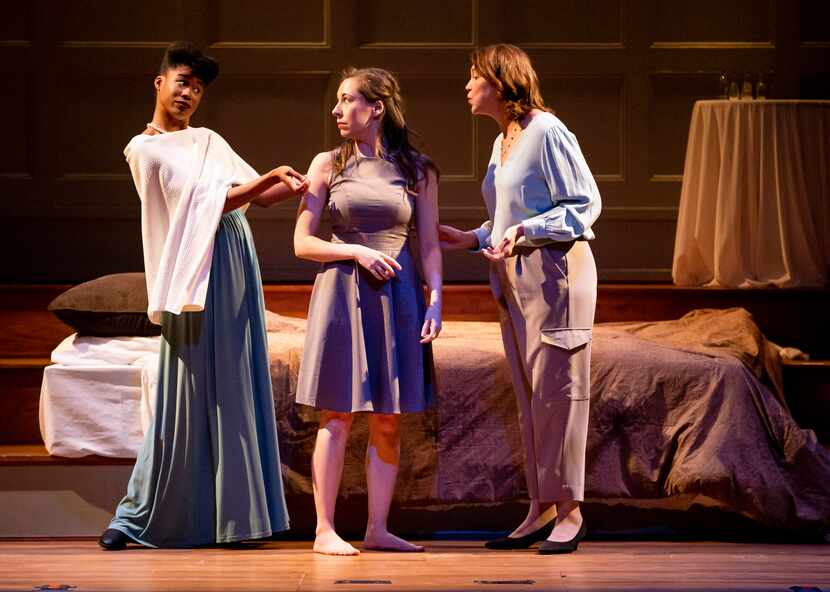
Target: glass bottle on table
{"type": "Point", "coordinates": [746, 87]}
{"type": "Point", "coordinates": [761, 87]}
{"type": "Point", "coordinates": [723, 85]}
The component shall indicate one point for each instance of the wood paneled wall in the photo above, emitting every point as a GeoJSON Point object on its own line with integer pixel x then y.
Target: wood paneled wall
{"type": "Point", "coordinates": [622, 74]}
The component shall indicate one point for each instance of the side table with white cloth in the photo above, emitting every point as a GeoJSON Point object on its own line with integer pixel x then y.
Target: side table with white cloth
{"type": "Point", "coordinates": [755, 201]}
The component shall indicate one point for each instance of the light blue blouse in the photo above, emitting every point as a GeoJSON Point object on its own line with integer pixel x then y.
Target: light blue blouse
{"type": "Point", "coordinates": [545, 185]}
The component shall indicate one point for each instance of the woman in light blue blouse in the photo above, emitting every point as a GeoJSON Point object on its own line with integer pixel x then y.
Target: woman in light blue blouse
{"type": "Point", "coordinates": [542, 200]}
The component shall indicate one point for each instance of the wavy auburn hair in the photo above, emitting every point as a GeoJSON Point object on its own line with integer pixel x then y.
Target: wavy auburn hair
{"type": "Point", "coordinates": [377, 84]}
{"type": "Point", "coordinates": [508, 68]}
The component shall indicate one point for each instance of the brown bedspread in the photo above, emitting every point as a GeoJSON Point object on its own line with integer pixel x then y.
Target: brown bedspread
{"type": "Point", "coordinates": [681, 413]}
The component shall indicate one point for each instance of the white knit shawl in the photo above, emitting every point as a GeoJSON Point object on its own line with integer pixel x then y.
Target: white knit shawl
{"type": "Point", "coordinates": [182, 179]}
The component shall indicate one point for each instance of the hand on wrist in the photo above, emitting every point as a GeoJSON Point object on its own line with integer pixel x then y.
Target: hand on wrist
{"type": "Point", "coordinates": [520, 230]}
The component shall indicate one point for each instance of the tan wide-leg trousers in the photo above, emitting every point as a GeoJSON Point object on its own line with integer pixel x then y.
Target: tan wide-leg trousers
{"type": "Point", "coordinates": [547, 298]}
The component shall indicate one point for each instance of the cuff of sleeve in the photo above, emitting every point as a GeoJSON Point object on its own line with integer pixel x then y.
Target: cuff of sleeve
{"type": "Point", "coordinates": [483, 238]}
{"type": "Point", "coordinates": [534, 229]}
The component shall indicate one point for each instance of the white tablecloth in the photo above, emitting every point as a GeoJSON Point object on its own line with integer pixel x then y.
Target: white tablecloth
{"type": "Point", "coordinates": [755, 201]}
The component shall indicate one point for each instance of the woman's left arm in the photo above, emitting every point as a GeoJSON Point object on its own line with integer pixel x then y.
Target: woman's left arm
{"type": "Point", "coordinates": [426, 223]}
{"type": "Point", "coordinates": [573, 190]}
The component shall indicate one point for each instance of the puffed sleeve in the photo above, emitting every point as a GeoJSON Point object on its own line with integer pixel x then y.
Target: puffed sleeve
{"type": "Point", "coordinates": [574, 193]}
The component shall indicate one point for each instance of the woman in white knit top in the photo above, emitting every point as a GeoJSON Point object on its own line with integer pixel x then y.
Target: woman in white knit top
{"type": "Point", "coordinates": [208, 471]}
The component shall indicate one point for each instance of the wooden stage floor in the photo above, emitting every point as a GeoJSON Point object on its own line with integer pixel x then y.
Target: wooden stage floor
{"type": "Point", "coordinates": [447, 565]}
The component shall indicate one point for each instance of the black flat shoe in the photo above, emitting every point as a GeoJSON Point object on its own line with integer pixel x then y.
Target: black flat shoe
{"type": "Point", "coordinates": [555, 548]}
{"type": "Point", "coordinates": [113, 540]}
{"type": "Point", "coordinates": [522, 542]}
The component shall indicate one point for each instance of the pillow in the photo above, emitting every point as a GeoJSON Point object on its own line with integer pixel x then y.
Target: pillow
{"type": "Point", "coordinates": [110, 306]}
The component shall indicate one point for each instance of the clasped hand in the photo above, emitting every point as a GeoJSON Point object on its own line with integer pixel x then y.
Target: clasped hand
{"type": "Point", "coordinates": [507, 245]}
{"type": "Point", "coordinates": [452, 239]}
{"type": "Point", "coordinates": [380, 265]}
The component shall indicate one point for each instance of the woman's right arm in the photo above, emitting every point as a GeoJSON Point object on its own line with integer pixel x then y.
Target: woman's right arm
{"type": "Point", "coordinates": [282, 181]}
{"type": "Point", "coordinates": [477, 239]}
{"type": "Point", "coordinates": [307, 245]}
{"type": "Point", "coordinates": [453, 238]}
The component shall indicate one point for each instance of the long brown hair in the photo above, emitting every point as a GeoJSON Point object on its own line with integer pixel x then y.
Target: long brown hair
{"type": "Point", "coordinates": [508, 68]}
{"type": "Point", "coordinates": [377, 84]}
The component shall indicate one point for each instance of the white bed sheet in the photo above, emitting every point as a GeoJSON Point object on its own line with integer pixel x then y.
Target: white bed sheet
{"type": "Point", "coordinates": [96, 399]}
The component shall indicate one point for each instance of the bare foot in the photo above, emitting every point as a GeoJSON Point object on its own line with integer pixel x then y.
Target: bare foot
{"type": "Point", "coordinates": [330, 543]}
{"type": "Point", "coordinates": [385, 541]}
{"type": "Point", "coordinates": [567, 523]}
{"type": "Point", "coordinates": [535, 520]}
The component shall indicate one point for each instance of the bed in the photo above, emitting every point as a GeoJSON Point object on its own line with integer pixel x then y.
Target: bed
{"type": "Point", "coordinates": [684, 413]}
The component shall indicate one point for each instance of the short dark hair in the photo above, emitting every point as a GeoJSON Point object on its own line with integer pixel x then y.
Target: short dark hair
{"type": "Point", "coordinates": [182, 53]}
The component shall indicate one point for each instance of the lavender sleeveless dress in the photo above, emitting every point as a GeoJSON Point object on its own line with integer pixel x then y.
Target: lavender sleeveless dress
{"type": "Point", "coordinates": [362, 349]}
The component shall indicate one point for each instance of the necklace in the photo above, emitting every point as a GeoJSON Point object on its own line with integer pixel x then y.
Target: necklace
{"type": "Point", "coordinates": [153, 126]}
{"type": "Point", "coordinates": [514, 130]}
{"type": "Point", "coordinates": [160, 130]}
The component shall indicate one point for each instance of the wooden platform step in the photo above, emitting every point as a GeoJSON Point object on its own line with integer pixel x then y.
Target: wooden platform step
{"type": "Point", "coordinates": [47, 496]}
{"type": "Point", "coordinates": [36, 454]}
{"type": "Point", "coordinates": [20, 380]}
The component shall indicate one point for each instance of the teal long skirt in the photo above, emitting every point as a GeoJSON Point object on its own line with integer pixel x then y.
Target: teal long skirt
{"type": "Point", "coordinates": [209, 469]}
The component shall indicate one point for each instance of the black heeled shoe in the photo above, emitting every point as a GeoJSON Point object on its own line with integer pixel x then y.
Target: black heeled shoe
{"type": "Point", "coordinates": [522, 542]}
{"type": "Point", "coordinates": [113, 540]}
{"type": "Point", "coordinates": [555, 547]}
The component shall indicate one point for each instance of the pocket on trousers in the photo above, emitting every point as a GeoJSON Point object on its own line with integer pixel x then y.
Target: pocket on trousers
{"type": "Point", "coordinates": [566, 338]}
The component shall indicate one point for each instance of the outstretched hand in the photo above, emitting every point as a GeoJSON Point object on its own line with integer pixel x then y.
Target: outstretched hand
{"type": "Point", "coordinates": [493, 254]}
{"type": "Point", "coordinates": [507, 246]}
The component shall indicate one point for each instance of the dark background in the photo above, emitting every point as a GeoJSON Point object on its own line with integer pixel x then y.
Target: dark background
{"type": "Point", "coordinates": [622, 74]}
